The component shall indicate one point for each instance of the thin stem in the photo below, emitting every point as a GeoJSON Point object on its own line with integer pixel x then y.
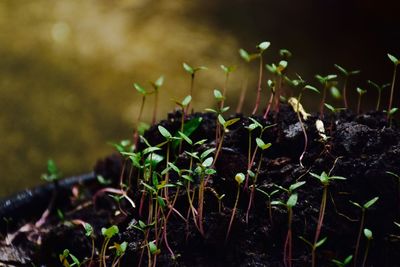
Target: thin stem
{"type": "Point", "coordinates": [200, 205]}
{"type": "Point", "coordinates": [259, 87]}
{"type": "Point", "coordinates": [287, 251]}
{"type": "Point", "coordinates": [321, 107]}
{"type": "Point", "coordinates": [242, 96]}
{"type": "Point", "coordinates": [359, 104]}
{"type": "Point", "coordinates": [344, 92]}
{"type": "Point", "coordinates": [233, 214]}
{"type": "Point", "coordinates": [271, 99]}
{"type": "Point", "coordinates": [304, 132]}
{"type": "Point", "coordinates": [359, 237]}
{"type": "Point", "coordinates": [392, 91]}
{"type": "Point", "coordinates": [365, 254]}
{"type": "Point", "coordinates": [155, 106]}
{"type": "Point", "coordinates": [379, 99]}
{"type": "Point", "coordinates": [224, 91]}
{"type": "Point", "coordinates": [253, 188]}
{"type": "Point", "coordinates": [320, 222]}
{"type": "Point", "coordinates": [136, 133]}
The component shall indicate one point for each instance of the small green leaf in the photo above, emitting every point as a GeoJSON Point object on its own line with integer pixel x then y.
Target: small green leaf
{"type": "Point", "coordinates": [243, 53]}
{"type": "Point", "coordinates": [342, 70]}
{"type": "Point", "coordinates": [218, 95]}
{"type": "Point", "coordinates": [164, 132]}
{"type": "Point", "coordinates": [321, 242]}
{"type": "Point", "coordinates": [331, 108]}
{"type": "Point", "coordinates": [159, 82]}
{"type": "Point", "coordinates": [335, 92]}
{"type": "Point", "coordinates": [109, 232]}
{"type": "Point", "coordinates": [393, 59]}
{"type": "Point", "coordinates": [368, 233]}
{"type": "Point", "coordinates": [185, 137]}
{"type": "Point", "coordinates": [311, 88]}
{"type": "Point", "coordinates": [150, 150]}
{"type": "Point", "coordinates": [397, 224]}
{"type": "Point", "coordinates": [161, 201]}
{"type": "Point", "coordinates": [277, 203]}
{"type": "Point", "coordinates": [356, 204]}
{"type": "Point", "coordinates": [153, 248]}
{"type": "Point", "coordinates": [102, 180]}
{"type": "Point", "coordinates": [371, 202]}
{"type": "Point", "coordinates": [361, 91]}
{"type": "Point", "coordinates": [186, 100]}
{"type": "Point", "coordinates": [210, 171]}
{"type": "Point", "coordinates": [88, 229]}
{"type": "Point", "coordinates": [139, 88]}
{"type": "Point", "coordinates": [230, 122]}
{"type": "Point", "coordinates": [207, 162]}
{"type": "Point", "coordinates": [393, 111]}
{"type": "Point", "coordinates": [174, 167]}
{"type": "Point", "coordinates": [285, 53]}
{"type": "Point", "coordinates": [207, 152]}
{"type": "Point", "coordinates": [296, 185]}
{"type": "Point", "coordinates": [263, 46]}
{"type": "Point", "coordinates": [239, 178]}
{"type": "Point", "coordinates": [227, 69]}
{"type": "Point", "coordinates": [348, 260]}
{"type": "Point", "coordinates": [251, 173]}
{"type": "Point", "coordinates": [188, 68]}
{"type": "Point", "coordinates": [221, 119]}
{"type": "Point", "coordinates": [291, 202]}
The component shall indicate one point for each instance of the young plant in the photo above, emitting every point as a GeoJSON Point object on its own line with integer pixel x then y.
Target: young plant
{"type": "Point", "coordinates": [363, 209]}
{"type": "Point", "coordinates": [108, 233]}
{"type": "Point", "coordinates": [64, 259]}
{"type": "Point", "coordinates": [261, 48]}
{"type": "Point", "coordinates": [89, 233]}
{"type": "Point", "coordinates": [271, 85]}
{"type": "Point", "coordinates": [192, 71]}
{"type": "Point", "coordinates": [327, 82]}
{"type": "Point", "coordinates": [119, 253]}
{"type": "Point", "coordinates": [290, 203]}
{"type": "Point", "coordinates": [368, 235]}
{"type": "Point", "coordinates": [395, 62]}
{"type": "Point", "coordinates": [239, 178]}
{"type": "Point", "coordinates": [247, 58]}
{"type": "Point", "coordinates": [325, 180]}
{"type": "Point", "coordinates": [144, 93]}
{"type": "Point", "coordinates": [227, 70]}
{"type": "Point", "coordinates": [156, 86]}
{"type": "Point", "coordinates": [269, 196]}
{"type": "Point", "coordinates": [343, 263]}
{"type": "Point", "coordinates": [360, 92]}
{"type": "Point", "coordinates": [298, 108]}
{"type": "Point", "coordinates": [263, 146]}
{"type": "Point", "coordinates": [276, 86]}
{"type": "Point", "coordinates": [379, 89]}
{"type": "Point", "coordinates": [184, 104]}
{"type": "Point", "coordinates": [346, 74]}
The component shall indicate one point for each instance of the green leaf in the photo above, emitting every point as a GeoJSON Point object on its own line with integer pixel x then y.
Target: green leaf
{"type": "Point", "coordinates": [342, 70]}
{"type": "Point", "coordinates": [206, 153]}
{"type": "Point", "coordinates": [296, 185]}
{"type": "Point", "coordinates": [188, 68]}
{"type": "Point", "coordinates": [153, 248]}
{"type": "Point", "coordinates": [306, 241]}
{"type": "Point", "coordinates": [75, 260]}
{"type": "Point", "coordinates": [397, 224]}
{"type": "Point", "coordinates": [283, 64]}
{"type": "Point", "coordinates": [186, 100]}
{"type": "Point", "coordinates": [102, 180]}
{"type": "Point", "coordinates": [371, 202]}
{"type": "Point", "coordinates": [200, 68]}
{"type": "Point", "coordinates": [139, 88]}
{"type": "Point", "coordinates": [218, 95]}
{"type": "Point", "coordinates": [239, 178]}
{"type": "Point", "coordinates": [361, 91]}
{"type": "Point", "coordinates": [150, 150]}
{"type": "Point", "coordinates": [285, 53]}
{"type": "Point", "coordinates": [331, 108]}
{"type": "Point", "coordinates": [291, 202]}
{"type": "Point", "coordinates": [393, 59]}
{"type": "Point", "coordinates": [221, 119]}
{"type": "Point", "coordinates": [311, 88]}
{"type": "Point", "coordinates": [251, 173]}
{"type": "Point", "coordinates": [88, 229]}
{"type": "Point", "coordinates": [348, 260]}
{"type": "Point", "coordinates": [230, 122]}
{"type": "Point", "coordinates": [227, 69]}
{"type": "Point", "coordinates": [164, 132]}
{"type": "Point", "coordinates": [210, 171]}
{"type": "Point", "coordinates": [187, 177]}
{"type": "Point", "coordinates": [185, 137]}
{"type": "Point", "coordinates": [174, 167]}
{"type": "Point", "coordinates": [243, 53]}
{"type": "Point", "coordinates": [261, 144]}
{"type": "Point", "coordinates": [356, 204]}
{"type": "Point", "coordinates": [159, 82]}
{"type": "Point", "coordinates": [161, 201]}
{"type": "Point", "coordinates": [277, 203]}
{"type": "Point", "coordinates": [368, 233]}
{"type": "Point", "coordinates": [335, 92]}
{"type": "Point", "coordinates": [207, 162]}
{"type": "Point", "coordinates": [321, 242]}
{"type": "Point", "coordinates": [263, 46]}
{"type": "Point", "coordinates": [109, 232]}
{"type": "Point", "coordinates": [393, 111]}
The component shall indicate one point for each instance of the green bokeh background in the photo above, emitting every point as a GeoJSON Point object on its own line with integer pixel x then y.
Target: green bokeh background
{"type": "Point", "coordinates": [67, 67]}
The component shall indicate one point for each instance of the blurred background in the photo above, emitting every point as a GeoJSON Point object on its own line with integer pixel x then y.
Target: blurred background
{"type": "Point", "coordinates": [67, 67]}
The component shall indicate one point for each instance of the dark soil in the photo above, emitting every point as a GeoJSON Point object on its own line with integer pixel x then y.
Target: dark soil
{"type": "Point", "coordinates": [361, 148]}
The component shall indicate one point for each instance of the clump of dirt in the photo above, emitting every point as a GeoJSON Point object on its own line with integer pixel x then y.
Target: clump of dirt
{"type": "Point", "coordinates": [361, 148]}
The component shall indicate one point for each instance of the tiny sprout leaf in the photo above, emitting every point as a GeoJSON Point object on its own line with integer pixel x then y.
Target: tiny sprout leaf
{"type": "Point", "coordinates": [356, 204]}
{"type": "Point", "coordinates": [393, 59]}
{"type": "Point", "coordinates": [283, 64]}
{"type": "Point", "coordinates": [331, 108]}
{"type": "Point", "coordinates": [361, 91]}
{"type": "Point", "coordinates": [139, 88]}
{"type": "Point", "coordinates": [397, 224]}
{"type": "Point", "coordinates": [263, 46]}
{"type": "Point", "coordinates": [206, 153]}
{"type": "Point", "coordinates": [285, 53]}
{"type": "Point", "coordinates": [348, 259]}
{"type": "Point", "coordinates": [186, 100]}
{"type": "Point", "coordinates": [239, 177]}
{"type": "Point", "coordinates": [164, 132]}
{"type": "Point", "coordinates": [277, 203]}
{"type": "Point", "coordinates": [210, 171]}
{"type": "Point", "coordinates": [153, 248]}
{"type": "Point", "coordinates": [187, 68]}
{"type": "Point", "coordinates": [218, 95]}
{"type": "Point", "coordinates": [321, 242]}
{"type": "Point", "coordinates": [393, 111]}
{"type": "Point", "coordinates": [370, 202]}
{"type": "Point", "coordinates": [251, 173]}
{"type": "Point", "coordinates": [230, 122]}
{"type": "Point", "coordinates": [221, 119]}
{"type": "Point", "coordinates": [159, 82]}
{"type": "Point", "coordinates": [368, 233]}
{"type": "Point", "coordinates": [227, 69]}
{"type": "Point", "coordinates": [291, 202]}
{"type": "Point", "coordinates": [296, 185]}
{"type": "Point", "coordinates": [335, 92]}
{"type": "Point", "coordinates": [311, 88]}
{"type": "Point", "coordinates": [243, 53]}
{"type": "Point", "coordinates": [110, 232]}
{"type": "Point", "coordinates": [185, 137]}
{"type": "Point", "coordinates": [88, 229]}
{"type": "Point", "coordinates": [342, 70]}
{"type": "Point", "coordinates": [207, 162]}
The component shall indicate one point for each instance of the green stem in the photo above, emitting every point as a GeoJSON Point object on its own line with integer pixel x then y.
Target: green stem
{"type": "Point", "coordinates": [379, 99]}
{"type": "Point", "coordinates": [359, 237]}
{"type": "Point", "coordinates": [366, 254]}
{"type": "Point", "coordinates": [320, 222]}
{"type": "Point", "coordinates": [253, 188]}
{"type": "Point", "coordinates": [344, 92]}
{"type": "Point", "coordinates": [259, 86]}
{"type": "Point", "coordinates": [155, 106]}
{"type": "Point", "coordinates": [392, 91]}
{"type": "Point", "coordinates": [233, 214]}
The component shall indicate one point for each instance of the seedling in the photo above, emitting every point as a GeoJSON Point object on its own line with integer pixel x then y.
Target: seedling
{"type": "Point", "coordinates": [248, 57]}
{"type": "Point", "coordinates": [395, 62]}
{"type": "Point", "coordinates": [363, 208]}
{"type": "Point", "coordinates": [390, 115]}
{"type": "Point", "coordinates": [64, 259]}
{"type": "Point", "coordinates": [184, 104]}
{"type": "Point", "coordinates": [333, 109]}
{"type": "Point", "coordinates": [368, 235]}
{"type": "Point", "coordinates": [239, 178]}
{"type": "Point", "coordinates": [276, 95]}
{"type": "Point", "coordinates": [379, 89]}
{"type": "Point", "coordinates": [327, 82]}
{"type": "Point", "coordinates": [156, 86]}
{"type": "Point", "coordinates": [192, 71]}
{"type": "Point", "coordinates": [263, 146]}
{"type": "Point", "coordinates": [346, 74]}
{"type": "Point", "coordinates": [290, 203]}
{"type": "Point", "coordinates": [108, 233]}
{"type": "Point", "coordinates": [343, 263]}
{"type": "Point", "coordinates": [269, 196]}
{"type": "Point", "coordinates": [325, 180]}
{"type": "Point", "coordinates": [271, 85]}
{"type": "Point", "coordinates": [144, 93]}
{"type": "Point", "coordinates": [119, 252]}
{"type": "Point", "coordinates": [360, 92]}
{"type": "Point", "coordinates": [298, 108]}
{"type": "Point", "coordinates": [227, 70]}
